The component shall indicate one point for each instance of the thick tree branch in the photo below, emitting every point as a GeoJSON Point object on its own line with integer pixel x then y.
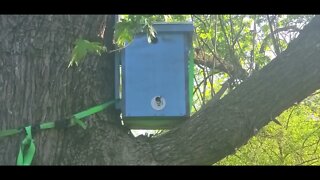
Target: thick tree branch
{"type": "Point", "coordinates": [219, 128]}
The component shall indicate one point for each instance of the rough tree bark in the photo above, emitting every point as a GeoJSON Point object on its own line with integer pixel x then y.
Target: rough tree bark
{"type": "Point", "coordinates": [35, 86]}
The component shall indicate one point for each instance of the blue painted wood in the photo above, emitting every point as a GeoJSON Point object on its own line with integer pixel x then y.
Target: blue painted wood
{"type": "Point", "coordinates": [157, 69]}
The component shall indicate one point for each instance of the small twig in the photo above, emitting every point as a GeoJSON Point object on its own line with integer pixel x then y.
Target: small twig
{"type": "Point", "coordinates": [289, 117]}
{"type": "Point", "coordinates": [307, 161]}
{"type": "Point", "coordinates": [275, 43]}
{"type": "Point", "coordinates": [218, 95]}
{"type": "Point", "coordinates": [119, 48]}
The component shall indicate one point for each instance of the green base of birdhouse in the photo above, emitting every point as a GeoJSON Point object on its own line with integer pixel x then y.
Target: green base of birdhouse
{"type": "Point", "coordinates": [152, 123]}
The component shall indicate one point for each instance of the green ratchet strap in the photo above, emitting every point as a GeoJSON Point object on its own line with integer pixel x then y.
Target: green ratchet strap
{"type": "Point", "coordinates": [9, 132]}
{"type": "Point", "coordinates": [76, 118]}
{"type": "Point", "coordinates": [26, 154]}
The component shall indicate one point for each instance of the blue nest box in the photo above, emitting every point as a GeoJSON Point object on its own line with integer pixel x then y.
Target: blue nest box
{"type": "Point", "coordinates": [155, 80]}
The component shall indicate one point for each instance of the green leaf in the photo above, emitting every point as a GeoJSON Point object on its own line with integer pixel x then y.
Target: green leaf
{"type": "Point", "coordinates": [82, 48]}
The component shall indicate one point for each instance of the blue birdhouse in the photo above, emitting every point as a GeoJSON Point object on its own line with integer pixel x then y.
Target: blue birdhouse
{"type": "Point", "coordinates": [154, 82]}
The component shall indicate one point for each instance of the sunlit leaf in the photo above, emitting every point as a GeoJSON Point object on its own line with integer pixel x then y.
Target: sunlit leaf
{"type": "Point", "coordinates": [82, 48]}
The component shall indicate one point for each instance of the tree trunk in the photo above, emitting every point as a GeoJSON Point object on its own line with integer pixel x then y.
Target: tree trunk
{"type": "Point", "coordinates": [36, 87]}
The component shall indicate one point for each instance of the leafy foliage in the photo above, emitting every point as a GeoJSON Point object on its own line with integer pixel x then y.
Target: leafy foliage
{"type": "Point", "coordinates": [125, 31]}
{"type": "Point", "coordinates": [130, 25]}
{"type": "Point", "coordinates": [82, 48]}
{"type": "Point", "coordinates": [295, 142]}
{"type": "Point", "coordinates": [229, 44]}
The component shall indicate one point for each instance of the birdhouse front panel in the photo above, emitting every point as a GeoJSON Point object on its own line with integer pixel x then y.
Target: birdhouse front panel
{"type": "Point", "coordinates": [155, 75]}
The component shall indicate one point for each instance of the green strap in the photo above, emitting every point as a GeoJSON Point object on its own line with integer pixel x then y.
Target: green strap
{"type": "Point", "coordinates": [9, 132]}
{"type": "Point", "coordinates": [75, 120]}
{"type": "Point", "coordinates": [47, 125]}
{"type": "Point", "coordinates": [25, 155]}
{"type": "Point", "coordinates": [93, 110]}
{"type": "Point", "coordinates": [76, 117]}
